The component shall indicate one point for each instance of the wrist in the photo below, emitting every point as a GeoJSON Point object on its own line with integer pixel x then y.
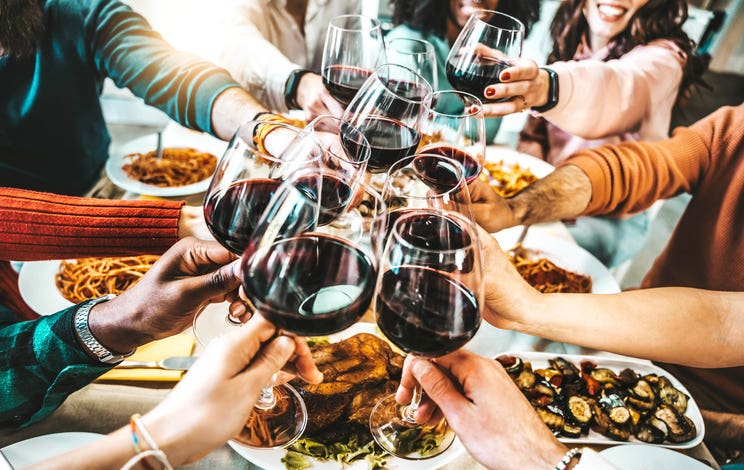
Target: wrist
{"type": "Point", "coordinates": [291, 87]}
{"type": "Point", "coordinates": [117, 334]}
{"type": "Point", "coordinates": [548, 90]}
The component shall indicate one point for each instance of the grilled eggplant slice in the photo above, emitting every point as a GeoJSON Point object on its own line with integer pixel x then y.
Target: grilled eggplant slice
{"type": "Point", "coordinates": [617, 433]}
{"type": "Point", "coordinates": [643, 391]}
{"type": "Point", "coordinates": [688, 435]}
{"type": "Point", "coordinates": [653, 431]}
{"type": "Point", "coordinates": [619, 415]}
{"type": "Point", "coordinates": [569, 371]}
{"type": "Point", "coordinates": [604, 376]}
{"type": "Point", "coordinates": [551, 419]}
{"type": "Point", "coordinates": [675, 421]}
{"type": "Point", "coordinates": [571, 430]}
{"type": "Point", "coordinates": [579, 410]}
{"type": "Point", "coordinates": [512, 364]}
{"type": "Point", "coordinates": [526, 379]}
{"type": "Point", "coordinates": [668, 395]}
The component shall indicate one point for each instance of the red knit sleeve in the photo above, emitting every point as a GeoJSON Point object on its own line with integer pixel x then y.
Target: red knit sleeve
{"type": "Point", "coordinates": [38, 226]}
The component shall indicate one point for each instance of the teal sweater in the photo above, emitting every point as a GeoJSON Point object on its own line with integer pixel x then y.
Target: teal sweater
{"type": "Point", "coordinates": [441, 51]}
{"type": "Point", "coordinates": [52, 133]}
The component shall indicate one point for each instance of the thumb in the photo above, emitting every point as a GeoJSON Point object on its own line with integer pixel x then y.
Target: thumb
{"type": "Point", "coordinates": [439, 387]}
{"type": "Point", "coordinates": [270, 359]}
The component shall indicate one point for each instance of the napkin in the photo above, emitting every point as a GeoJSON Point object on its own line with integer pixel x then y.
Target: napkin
{"type": "Point", "coordinates": [177, 345]}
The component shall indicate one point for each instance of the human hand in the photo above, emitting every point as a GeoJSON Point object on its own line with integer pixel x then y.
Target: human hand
{"type": "Point", "coordinates": [314, 98]}
{"type": "Point", "coordinates": [489, 414]}
{"type": "Point", "coordinates": [190, 275]}
{"type": "Point", "coordinates": [524, 84]}
{"type": "Point", "coordinates": [191, 223]}
{"type": "Point", "coordinates": [214, 399]}
{"type": "Point", "coordinates": [490, 210]}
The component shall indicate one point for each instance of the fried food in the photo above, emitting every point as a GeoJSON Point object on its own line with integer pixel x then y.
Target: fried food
{"type": "Point", "coordinates": [507, 180]}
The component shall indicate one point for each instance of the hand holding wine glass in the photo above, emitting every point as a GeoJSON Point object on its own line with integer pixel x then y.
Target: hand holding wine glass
{"type": "Point", "coordinates": [429, 296]}
{"type": "Point", "coordinates": [487, 44]}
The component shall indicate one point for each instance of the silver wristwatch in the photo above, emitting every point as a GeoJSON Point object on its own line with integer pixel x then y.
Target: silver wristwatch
{"type": "Point", "coordinates": [87, 338]}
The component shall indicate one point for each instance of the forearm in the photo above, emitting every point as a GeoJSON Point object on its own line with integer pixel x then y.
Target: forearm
{"type": "Point", "coordinates": [684, 326]}
{"type": "Point", "coordinates": [564, 194]}
{"type": "Point", "coordinates": [38, 226]}
{"type": "Point", "coordinates": [724, 429]}
{"type": "Point", "coordinates": [232, 108]}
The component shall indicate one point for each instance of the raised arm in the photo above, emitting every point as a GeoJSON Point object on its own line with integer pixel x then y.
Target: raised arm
{"type": "Point", "coordinates": [693, 327]}
{"type": "Point", "coordinates": [184, 86]}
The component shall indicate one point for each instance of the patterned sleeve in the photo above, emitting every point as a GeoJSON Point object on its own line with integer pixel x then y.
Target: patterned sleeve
{"type": "Point", "coordinates": [41, 364]}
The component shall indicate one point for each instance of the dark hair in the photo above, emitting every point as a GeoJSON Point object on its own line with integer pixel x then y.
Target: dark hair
{"type": "Point", "coordinates": [21, 26]}
{"type": "Point", "coordinates": [657, 19]}
{"type": "Point", "coordinates": [430, 16]}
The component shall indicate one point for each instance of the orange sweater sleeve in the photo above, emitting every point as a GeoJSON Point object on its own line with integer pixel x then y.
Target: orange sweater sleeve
{"type": "Point", "coordinates": [38, 226]}
{"type": "Point", "coordinates": [631, 176]}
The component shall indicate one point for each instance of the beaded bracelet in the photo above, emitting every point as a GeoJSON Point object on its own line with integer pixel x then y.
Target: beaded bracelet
{"type": "Point", "coordinates": [135, 424]}
{"type": "Point", "coordinates": [567, 458]}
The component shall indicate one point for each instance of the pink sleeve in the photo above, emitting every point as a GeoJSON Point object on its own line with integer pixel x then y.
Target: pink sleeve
{"type": "Point", "coordinates": [599, 99]}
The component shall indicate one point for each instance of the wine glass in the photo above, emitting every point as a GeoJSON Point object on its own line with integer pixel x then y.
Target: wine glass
{"type": "Point", "coordinates": [458, 131]}
{"type": "Point", "coordinates": [485, 46]}
{"type": "Point", "coordinates": [354, 48]}
{"type": "Point", "coordinates": [305, 282]}
{"type": "Point", "coordinates": [428, 300]}
{"type": "Point", "coordinates": [423, 182]}
{"type": "Point", "coordinates": [345, 153]}
{"type": "Point", "coordinates": [245, 180]}
{"type": "Point", "coordinates": [416, 54]}
{"type": "Point", "coordinates": [388, 109]}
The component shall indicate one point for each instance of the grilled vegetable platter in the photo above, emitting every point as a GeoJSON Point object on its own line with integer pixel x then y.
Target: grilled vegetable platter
{"type": "Point", "coordinates": [606, 399]}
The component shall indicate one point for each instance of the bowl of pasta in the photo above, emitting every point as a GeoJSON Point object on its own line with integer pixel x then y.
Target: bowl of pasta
{"type": "Point", "coordinates": [185, 166]}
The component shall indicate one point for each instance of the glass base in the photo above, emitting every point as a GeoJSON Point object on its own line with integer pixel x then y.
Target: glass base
{"type": "Point", "coordinates": [212, 322]}
{"type": "Point", "coordinates": [278, 426]}
{"type": "Point", "coordinates": [403, 438]}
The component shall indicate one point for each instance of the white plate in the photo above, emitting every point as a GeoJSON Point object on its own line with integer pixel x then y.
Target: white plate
{"type": "Point", "coordinates": [565, 254]}
{"type": "Point", "coordinates": [645, 457]}
{"type": "Point", "coordinates": [271, 459]}
{"type": "Point", "coordinates": [37, 449]}
{"type": "Point", "coordinates": [540, 360]}
{"type": "Point", "coordinates": [38, 288]}
{"type": "Point", "coordinates": [197, 140]}
{"type": "Point", "coordinates": [539, 168]}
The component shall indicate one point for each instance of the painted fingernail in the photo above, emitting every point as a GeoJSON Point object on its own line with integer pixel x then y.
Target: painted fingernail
{"type": "Point", "coordinates": [490, 92]}
{"type": "Point", "coordinates": [505, 76]}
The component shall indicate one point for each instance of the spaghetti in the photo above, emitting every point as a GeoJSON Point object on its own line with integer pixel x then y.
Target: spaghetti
{"type": "Point", "coordinates": [546, 277]}
{"type": "Point", "coordinates": [508, 180]}
{"type": "Point", "coordinates": [176, 167]}
{"type": "Point", "coordinates": [89, 278]}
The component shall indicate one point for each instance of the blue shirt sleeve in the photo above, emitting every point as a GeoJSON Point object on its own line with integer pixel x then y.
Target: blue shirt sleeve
{"type": "Point", "coordinates": [133, 55]}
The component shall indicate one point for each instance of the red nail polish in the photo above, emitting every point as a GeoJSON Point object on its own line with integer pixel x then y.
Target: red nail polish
{"type": "Point", "coordinates": [506, 76]}
{"type": "Point", "coordinates": [490, 92]}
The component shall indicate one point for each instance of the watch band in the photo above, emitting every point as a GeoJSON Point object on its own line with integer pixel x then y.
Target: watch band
{"type": "Point", "coordinates": [552, 91]}
{"type": "Point", "coordinates": [290, 88]}
{"type": "Point", "coordinates": [86, 336]}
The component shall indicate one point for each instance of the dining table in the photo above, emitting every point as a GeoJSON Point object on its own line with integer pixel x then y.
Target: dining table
{"type": "Point", "coordinates": [103, 406]}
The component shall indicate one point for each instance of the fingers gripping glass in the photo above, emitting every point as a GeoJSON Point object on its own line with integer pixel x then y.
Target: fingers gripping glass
{"type": "Point", "coordinates": [486, 45]}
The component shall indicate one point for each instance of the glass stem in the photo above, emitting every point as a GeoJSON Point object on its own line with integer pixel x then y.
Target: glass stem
{"type": "Point", "coordinates": [267, 399]}
{"type": "Point", "coordinates": [412, 407]}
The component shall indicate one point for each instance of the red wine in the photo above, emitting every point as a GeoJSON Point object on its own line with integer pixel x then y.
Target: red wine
{"type": "Point", "coordinates": [232, 215]}
{"type": "Point", "coordinates": [335, 195]}
{"type": "Point", "coordinates": [431, 231]}
{"type": "Point", "coordinates": [344, 81]}
{"type": "Point", "coordinates": [476, 76]}
{"type": "Point", "coordinates": [310, 285]}
{"type": "Point", "coordinates": [389, 139]}
{"type": "Point", "coordinates": [426, 312]}
{"type": "Point", "coordinates": [471, 166]}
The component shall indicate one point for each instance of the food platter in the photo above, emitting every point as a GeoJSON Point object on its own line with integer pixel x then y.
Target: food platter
{"type": "Point", "coordinates": [636, 456]}
{"type": "Point", "coordinates": [617, 363]}
{"type": "Point", "coordinates": [180, 138]}
{"type": "Point", "coordinates": [271, 459]}
{"type": "Point", "coordinates": [38, 288]}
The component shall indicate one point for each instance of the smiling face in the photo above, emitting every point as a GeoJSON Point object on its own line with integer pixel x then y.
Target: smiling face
{"type": "Point", "coordinates": [608, 18]}
{"type": "Point", "coordinates": [460, 10]}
